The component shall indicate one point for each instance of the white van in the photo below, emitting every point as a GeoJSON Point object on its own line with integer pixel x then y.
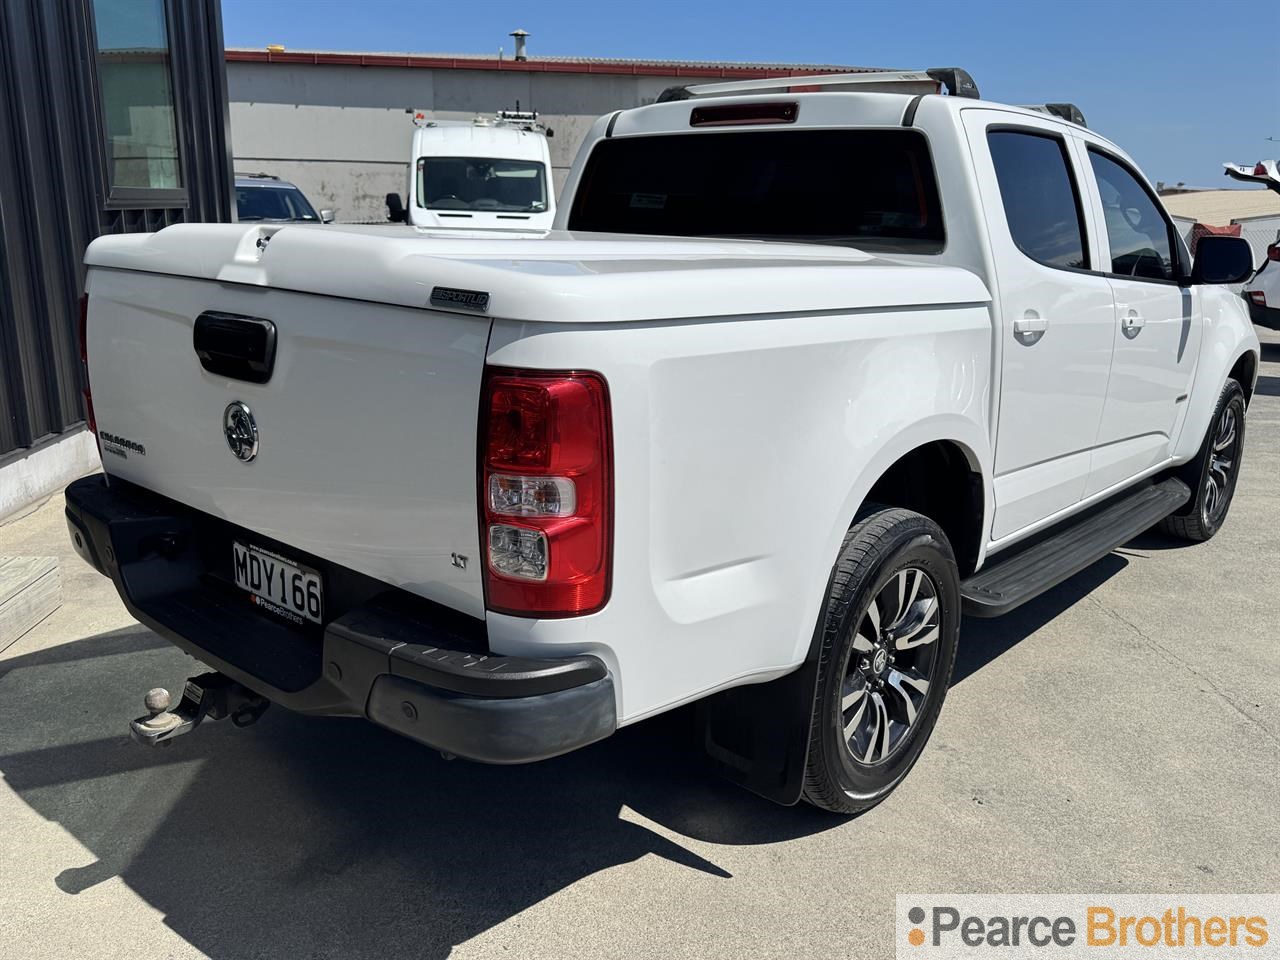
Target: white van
{"type": "Point", "coordinates": [489, 173]}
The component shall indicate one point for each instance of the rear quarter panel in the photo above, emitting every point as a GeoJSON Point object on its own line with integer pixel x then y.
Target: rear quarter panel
{"type": "Point", "coordinates": [743, 447]}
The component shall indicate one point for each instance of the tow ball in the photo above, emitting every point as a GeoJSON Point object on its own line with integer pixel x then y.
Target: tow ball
{"type": "Point", "coordinates": [210, 696]}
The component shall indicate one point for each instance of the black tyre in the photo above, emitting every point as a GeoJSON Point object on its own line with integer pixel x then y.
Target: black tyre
{"type": "Point", "coordinates": [1212, 475]}
{"type": "Point", "coordinates": [889, 634]}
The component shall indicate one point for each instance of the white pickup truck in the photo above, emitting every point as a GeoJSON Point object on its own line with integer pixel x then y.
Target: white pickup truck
{"type": "Point", "coordinates": [800, 376]}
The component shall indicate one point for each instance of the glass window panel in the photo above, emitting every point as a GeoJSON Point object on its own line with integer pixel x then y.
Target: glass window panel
{"type": "Point", "coordinates": [1039, 195]}
{"type": "Point", "coordinates": [137, 94]}
{"type": "Point", "coordinates": [1136, 228]}
{"type": "Point", "coordinates": [481, 183]}
{"type": "Point", "coordinates": [873, 189]}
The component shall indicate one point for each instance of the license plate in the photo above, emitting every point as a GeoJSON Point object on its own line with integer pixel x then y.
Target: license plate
{"type": "Point", "coordinates": [278, 585]}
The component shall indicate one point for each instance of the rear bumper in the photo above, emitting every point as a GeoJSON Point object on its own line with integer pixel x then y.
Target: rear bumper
{"type": "Point", "coordinates": [402, 662]}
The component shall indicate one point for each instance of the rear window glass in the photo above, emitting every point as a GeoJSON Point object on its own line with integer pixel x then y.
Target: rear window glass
{"type": "Point", "coordinates": [873, 189]}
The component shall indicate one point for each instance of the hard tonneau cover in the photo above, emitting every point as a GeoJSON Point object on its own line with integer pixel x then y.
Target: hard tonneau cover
{"type": "Point", "coordinates": [562, 277]}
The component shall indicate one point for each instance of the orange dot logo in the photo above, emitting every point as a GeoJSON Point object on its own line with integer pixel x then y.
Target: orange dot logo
{"type": "Point", "coordinates": [916, 936]}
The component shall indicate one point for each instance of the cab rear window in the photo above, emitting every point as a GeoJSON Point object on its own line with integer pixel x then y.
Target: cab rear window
{"type": "Point", "coordinates": [873, 189]}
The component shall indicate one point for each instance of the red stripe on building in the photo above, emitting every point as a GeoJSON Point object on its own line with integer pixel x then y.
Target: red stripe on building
{"type": "Point", "coordinates": [624, 68]}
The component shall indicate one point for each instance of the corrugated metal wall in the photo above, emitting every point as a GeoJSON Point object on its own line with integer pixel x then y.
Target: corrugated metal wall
{"type": "Point", "coordinates": [54, 193]}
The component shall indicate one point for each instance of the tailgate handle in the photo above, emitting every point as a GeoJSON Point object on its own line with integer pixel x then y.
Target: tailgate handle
{"type": "Point", "coordinates": [234, 346]}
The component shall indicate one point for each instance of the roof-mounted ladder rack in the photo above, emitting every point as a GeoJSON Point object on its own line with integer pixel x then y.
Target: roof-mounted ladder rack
{"type": "Point", "coordinates": [956, 81]}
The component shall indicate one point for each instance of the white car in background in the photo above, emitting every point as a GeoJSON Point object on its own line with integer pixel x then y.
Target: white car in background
{"type": "Point", "coordinates": [489, 173]}
{"type": "Point", "coordinates": [1263, 291]}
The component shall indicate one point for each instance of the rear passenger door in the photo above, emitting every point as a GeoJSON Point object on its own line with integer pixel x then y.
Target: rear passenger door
{"type": "Point", "coordinates": [1056, 317]}
{"type": "Point", "coordinates": [1157, 323]}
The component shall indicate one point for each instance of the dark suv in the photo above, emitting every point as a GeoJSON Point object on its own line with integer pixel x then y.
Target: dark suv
{"type": "Point", "coordinates": [261, 196]}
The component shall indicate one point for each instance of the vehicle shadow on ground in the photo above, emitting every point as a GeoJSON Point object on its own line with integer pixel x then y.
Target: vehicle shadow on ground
{"type": "Point", "coordinates": [1268, 386]}
{"type": "Point", "coordinates": [331, 837]}
{"type": "Point", "coordinates": [982, 641]}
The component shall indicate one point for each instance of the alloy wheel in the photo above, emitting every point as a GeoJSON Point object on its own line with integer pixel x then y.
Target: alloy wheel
{"type": "Point", "coordinates": [1223, 457]}
{"type": "Point", "coordinates": [887, 674]}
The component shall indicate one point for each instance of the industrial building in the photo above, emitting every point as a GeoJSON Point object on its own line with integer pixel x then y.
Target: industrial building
{"type": "Point", "coordinates": [1249, 212]}
{"type": "Point", "coordinates": [113, 120]}
{"type": "Point", "coordinates": [339, 125]}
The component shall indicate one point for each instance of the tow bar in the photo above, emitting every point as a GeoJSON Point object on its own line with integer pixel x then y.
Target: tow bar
{"type": "Point", "coordinates": [210, 696]}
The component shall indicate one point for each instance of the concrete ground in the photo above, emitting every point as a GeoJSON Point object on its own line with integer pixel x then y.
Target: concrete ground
{"type": "Point", "coordinates": [1119, 734]}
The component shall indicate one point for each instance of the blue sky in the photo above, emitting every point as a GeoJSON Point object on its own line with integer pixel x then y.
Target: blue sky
{"type": "Point", "coordinates": [1183, 85]}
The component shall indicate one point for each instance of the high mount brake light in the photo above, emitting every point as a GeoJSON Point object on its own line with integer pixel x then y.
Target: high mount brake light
{"type": "Point", "coordinates": [546, 492]}
{"type": "Point", "coordinates": [744, 114]}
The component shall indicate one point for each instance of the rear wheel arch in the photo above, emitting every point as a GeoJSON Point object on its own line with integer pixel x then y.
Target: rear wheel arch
{"type": "Point", "coordinates": [942, 480]}
{"type": "Point", "coordinates": [751, 732]}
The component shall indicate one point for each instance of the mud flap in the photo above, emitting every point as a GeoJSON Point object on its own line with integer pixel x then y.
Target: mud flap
{"type": "Point", "coordinates": [757, 736]}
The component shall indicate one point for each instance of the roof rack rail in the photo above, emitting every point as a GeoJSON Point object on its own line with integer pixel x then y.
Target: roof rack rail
{"type": "Point", "coordinates": [520, 119]}
{"type": "Point", "coordinates": [956, 81]}
{"type": "Point", "coordinates": [1064, 111]}
{"type": "Point", "coordinates": [257, 176]}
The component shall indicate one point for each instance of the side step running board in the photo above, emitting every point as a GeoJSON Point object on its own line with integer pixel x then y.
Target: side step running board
{"type": "Point", "coordinates": [1013, 579]}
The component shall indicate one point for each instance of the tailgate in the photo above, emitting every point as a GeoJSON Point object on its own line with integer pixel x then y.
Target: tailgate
{"type": "Point", "coordinates": [366, 428]}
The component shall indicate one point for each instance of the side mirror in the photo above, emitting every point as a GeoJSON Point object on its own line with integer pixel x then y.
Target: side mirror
{"type": "Point", "coordinates": [326, 216]}
{"type": "Point", "coordinates": [396, 212]}
{"type": "Point", "coordinates": [1222, 260]}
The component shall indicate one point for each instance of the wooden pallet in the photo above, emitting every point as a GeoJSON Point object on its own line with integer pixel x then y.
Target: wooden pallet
{"type": "Point", "coordinates": [30, 590]}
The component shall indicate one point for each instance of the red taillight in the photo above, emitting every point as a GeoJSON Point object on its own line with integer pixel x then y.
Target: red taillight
{"type": "Point", "coordinates": [85, 391]}
{"type": "Point", "coordinates": [1258, 297]}
{"type": "Point", "coordinates": [1273, 252]}
{"type": "Point", "coordinates": [1259, 171]}
{"type": "Point", "coordinates": [546, 492]}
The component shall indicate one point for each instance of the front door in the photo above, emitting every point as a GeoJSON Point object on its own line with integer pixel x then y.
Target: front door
{"type": "Point", "coordinates": [1056, 317]}
{"type": "Point", "coordinates": [1157, 326]}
